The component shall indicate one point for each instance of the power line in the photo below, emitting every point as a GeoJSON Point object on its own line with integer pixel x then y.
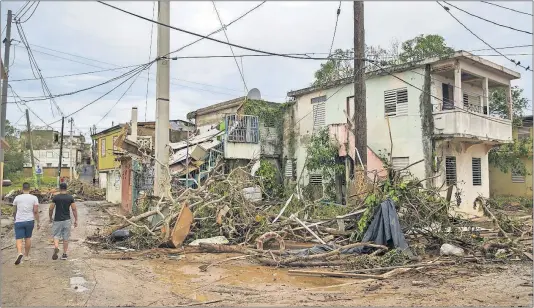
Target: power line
{"type": "Point", "coordinates": [506, 47]}
{"type": "Point", "coordinates": [209, 38]}
{"type": "Point", "coordinates": [487, 20]}
{"type": "Point", "coordinates": [149, 56]}
{"type": "Point", "coordinates": [75, 74]}
{"type": "Point", "coordinates": [335, 28]}
{"type": "Point", "coordinates": [15, 96]}
{"type": "Point", "coordinates": [231, 49]}
{"type": "Point", "coordinates": [35, 9]}
{"type": "Point", "coordinates": [146, 66]}
{"type": "Point", "coordinates": [506, 8]}
{"type": "Point", "coordinates": [478, 37]}
{"type": "Point", "coordinates": [120, 98]}
{"type": "Point", "coordinates": [508, 54]}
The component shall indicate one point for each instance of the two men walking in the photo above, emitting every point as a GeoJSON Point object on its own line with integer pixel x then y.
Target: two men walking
{"type": "Point", "coordinates": [26, 213]}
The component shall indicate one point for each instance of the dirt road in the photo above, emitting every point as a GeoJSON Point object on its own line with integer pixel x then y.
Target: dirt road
{"type": "Point", "coordinates": [87, 279]}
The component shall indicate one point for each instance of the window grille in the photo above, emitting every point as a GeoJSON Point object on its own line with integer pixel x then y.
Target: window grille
{"type": "Point", "coordinates": [477, 171]}
{"type": "Point", "coordinates": [450, 170]}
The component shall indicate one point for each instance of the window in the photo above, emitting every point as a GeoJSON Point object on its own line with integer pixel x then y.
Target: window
{"type": "Point", "coordinates": [289, 169]}
{"type": "Point", "coordinates": [517, 177]}
{"type": "Point", "coordinates": [102, 147]}
{"type": "Point", "coordinates": [242, 128]}
{"type": "Point", "coordinates": [66, 155]}
{"type": "Point", "coordinates": [49, 164]}
{"type": "Point", "coordinates": [477, 171]}
{"type": "Point", "coordinates": [396, 102]}
{"type": "Point", "coordinates": [114, 144]}
{"type": "Point", "coordinates": [319, 112]}
{"type": "Point", "coordinates": [400, 162]}
{"type": "Point", "coordinates": [448, 96]}
{"type": "Point", "coordinates": [450, 170]}
{"type": "Point", "coordinates": [316, 179]}
{"type": "Point", "coordinates": [49, 154]}
{"type": "Point", "coordinates": [523, 133]}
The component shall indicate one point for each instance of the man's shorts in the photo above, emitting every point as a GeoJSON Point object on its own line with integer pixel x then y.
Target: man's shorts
{"type": "Point", "coordinates": [61, 230]}
{"type": "Point", "coordinates": [24, 229]}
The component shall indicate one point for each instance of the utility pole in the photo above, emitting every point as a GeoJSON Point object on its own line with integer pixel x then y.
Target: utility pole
{"type": "Point", "coordinates": [360, 116]}
{"type": "Point", "coordinates": [161, 180]}
{"type": "Point", "coordinates": [60, 151]}
{"type": "Point", "coordinates": [4, 97]}
{"type": "Point", "coordinates": [29, 134]}
{"type": "Point", "coordinates": [71, 121]}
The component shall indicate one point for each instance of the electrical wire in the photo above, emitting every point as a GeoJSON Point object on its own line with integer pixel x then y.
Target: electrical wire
{"type": "Point", "coordinates": [209, 38]}
{"type": "Point", "coordinates": [487, 20]}
{"type": "Point", "coordinates": [478, 37]}
{"type": "Point", "coordinates": [15, 96]}
{"type": "Point", "coordinates": [231, 49]}
{"type": "Point", "coordinates": [75, 74]}
{"type": "Point", "coordinates": [149, 56]}
{"type": "Point", "coordinates": [506, 47]}
{"type": "Point", "coordinates": [335, 28]}
{"type": "Point", "coordinates": [506, 8]}
{"type": "Point", "coordinates": [35, 9]}
{"type": "Point", "coordinates": [23, 7]}
{"type": "Point", "coordinates": [94, 101]}
{"type": "Point", "coordinates": [120, 98]}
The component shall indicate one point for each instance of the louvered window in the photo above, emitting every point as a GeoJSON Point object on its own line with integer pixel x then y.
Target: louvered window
{"type": "Point", "coordinates": [289, 170]}
{"type": "Point", "coordinates": [316, 179]}
{"type": "Point", "coordinates": [523, 133]}
{"type": "Point", "coordinates": [396, 102]}
{"type": "Point", "coordinates": [477, 171]}
{"type": "Point", "coordinates": [400, 162]}
{"type": "Point", "coordinates": [517, 177]}
{"type": "Point", "coordinates": [319, 112]}
{"type": "Point", "coordinates": [450, 170]}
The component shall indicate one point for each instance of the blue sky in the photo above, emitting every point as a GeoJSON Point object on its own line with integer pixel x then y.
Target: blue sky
{"type": "Point", "coordinates": [103, 38]}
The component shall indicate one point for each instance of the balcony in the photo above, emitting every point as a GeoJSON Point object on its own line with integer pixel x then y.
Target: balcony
{"type": "Point", "coordinates": [468, 124]}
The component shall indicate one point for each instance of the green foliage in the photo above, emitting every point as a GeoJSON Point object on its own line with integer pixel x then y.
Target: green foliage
{"type": "Point", "coordinates": [14, 157]}
{"type": "Point", "coordinates": [340, 63]}
{"type": "Point", "coordinates": [499, 106]}
{"type": "Point", "coordinates": [424, 46]}
{"type": "Point", "coordinates": [269, 179]}
{"type": "Point", "coordinates": [323, 157]}
{"type": "Point", "coordinates": [504, 202]}
{"type": "Point", "coordinates": [509, 157]}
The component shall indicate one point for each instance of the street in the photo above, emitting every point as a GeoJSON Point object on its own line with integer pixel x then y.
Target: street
{"type": "Point", "coordinates": [89, 279]}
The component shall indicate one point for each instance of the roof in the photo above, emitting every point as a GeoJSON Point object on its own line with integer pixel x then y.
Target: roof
{"type": "Point", "coordinates": [196, 140]}
{"type": "Point", "coordinates": [109, 130]}
{"type": "Point", "coordinates": [409, 66]}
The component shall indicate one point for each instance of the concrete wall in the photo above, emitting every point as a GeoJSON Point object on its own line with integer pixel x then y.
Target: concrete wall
{"type": "Point", "coordinates": [107, 161]}
{"type": "Point", "coordinates": [405, 129]}
{"type": "Point", "coordinates": [103, 179]}
{"type": "Point", "coordinates": [463, 124]}
{"type": "Point", "coordinates": [501, 183]}
{"type": "Point", "coordinates": [213, 118]}
{"type": "Point", "coordinates": [113, 186]}
{"type": "Point", "coordinates": [469, 192]}
{"type": "Point", "coordinates": [235, 150]}
{"type": "Point", "coordinates": [50, 158]}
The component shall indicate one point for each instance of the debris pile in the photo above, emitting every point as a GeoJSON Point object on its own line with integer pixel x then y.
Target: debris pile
{"type": "Point", "coordinates": [395, 222]}
{"type": "Point", "coordinates": [80, 190]}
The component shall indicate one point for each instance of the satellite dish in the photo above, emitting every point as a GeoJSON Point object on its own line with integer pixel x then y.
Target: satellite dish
{"type": "Point", "coordinates": [254, 94]}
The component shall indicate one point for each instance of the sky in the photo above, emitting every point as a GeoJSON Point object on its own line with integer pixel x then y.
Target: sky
{"type": "Point", "coordinates": [78, 37]}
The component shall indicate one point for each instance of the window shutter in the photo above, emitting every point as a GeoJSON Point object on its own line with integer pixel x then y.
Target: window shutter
{"type": "Point", "coordinates": [319, 115]}
{"type": "Point", "coordinates": [450, 170]}
{"type": "Point", "coordinates": [396, 102]}
{"type": "Point", "coordinates": [316, 179]}
{"type": "Point", "coordinates": [477, 171]}
{"type": "Point", "coordinates": [400, 162]}
{"type": "Point", "coordinates": [289, 168]}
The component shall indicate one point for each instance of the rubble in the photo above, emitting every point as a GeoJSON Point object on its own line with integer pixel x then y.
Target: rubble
{"type": "Point", "coordinates": [81, 191]}
{"type": "Point", "coordinates": [395, 222]}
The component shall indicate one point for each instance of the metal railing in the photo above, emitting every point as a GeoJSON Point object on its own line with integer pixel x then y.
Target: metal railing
{"type": "Point", "coordinates": [242, 128]}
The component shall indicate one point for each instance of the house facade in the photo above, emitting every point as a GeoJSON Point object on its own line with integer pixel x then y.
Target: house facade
{"type": "Point", "coordinates": [447, 96]}
{"type": "Point", "coordinates": [107, 165]}
{"type": "Point", "coordinates": [513, 183]}
{"type": "Point", "coordinates": [48, 161]}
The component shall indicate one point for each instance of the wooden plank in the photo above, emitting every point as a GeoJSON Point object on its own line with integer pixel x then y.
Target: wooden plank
{"type": "Point", "coordinates": [528, 254]}
{"type": "Point", "coordinates": [182, 226]}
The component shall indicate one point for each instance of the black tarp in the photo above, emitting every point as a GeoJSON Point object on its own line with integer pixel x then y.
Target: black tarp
{"type": "Point", "coordinates": [385, 229]}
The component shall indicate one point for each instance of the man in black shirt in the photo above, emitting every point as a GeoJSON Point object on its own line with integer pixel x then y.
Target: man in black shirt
{"type": "Point", "coordinates": [62, 203]}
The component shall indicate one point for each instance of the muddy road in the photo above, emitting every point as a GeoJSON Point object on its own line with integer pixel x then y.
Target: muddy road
{"type": "Point", "coordinates": [87, 279]}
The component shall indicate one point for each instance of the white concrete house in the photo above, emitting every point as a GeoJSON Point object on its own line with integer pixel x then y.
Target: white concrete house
{"type": "Point", "coordinates": [455, 151]}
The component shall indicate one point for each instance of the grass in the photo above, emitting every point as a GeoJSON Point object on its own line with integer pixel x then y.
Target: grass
{"type": "Point", "coordinates": [46, 181]}
{"type": "Point", "coordinates": [513, 201]}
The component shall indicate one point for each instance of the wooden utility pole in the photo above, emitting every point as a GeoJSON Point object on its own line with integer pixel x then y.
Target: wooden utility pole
{"type": "Point", "coordinates": [161, 177]}
{"type": "Point", "coordinates": [71, 165]}
{"type": "Point", "coordinates": [360, 117]}
{"type": "Point", "coordinates": [29, 134]}
{"type": "Point", "coordinates": [3, 108]}
{"type": "Point", "coordinates": [60, 151]}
